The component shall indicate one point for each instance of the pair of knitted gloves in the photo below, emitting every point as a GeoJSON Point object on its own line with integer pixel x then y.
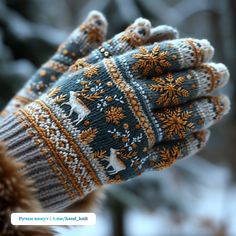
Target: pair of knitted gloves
{"type": "Point", "coordinates": [98, 113]}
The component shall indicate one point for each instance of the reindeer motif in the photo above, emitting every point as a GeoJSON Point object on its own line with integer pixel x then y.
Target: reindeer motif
{"type": "Point", "coordinates": [114, 162]}
{"type": "Point", "coordinates": [77, 106]}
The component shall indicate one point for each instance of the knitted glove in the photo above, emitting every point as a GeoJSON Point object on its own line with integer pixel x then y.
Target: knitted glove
{"type": "Point", "coordinates": [137, 34]}
{"type": "Point", "coordinates": [87, 37]}
{"type": "Point", "coordinates": [140, 32]}
{"type": "Point", "coordinates": [88, 131]}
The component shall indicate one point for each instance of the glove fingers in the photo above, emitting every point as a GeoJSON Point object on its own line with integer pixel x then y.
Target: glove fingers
{"type": "Point", "coordinates": [167, 153]}
{"type": "Point", "coordinates": [137, 34]}
{"type": "Point", "coordinates": [176, 88]}
{"type": "Point", "coordinates": [175, 55]}
{"type": "Point", "coordinates": [82, 40]}
{"type": "Point", "coordinates": [133, 36]}
{"type": "Point", "coordinates": [161, 33]}
{"type": "Point", "coordinates": [177, 122]}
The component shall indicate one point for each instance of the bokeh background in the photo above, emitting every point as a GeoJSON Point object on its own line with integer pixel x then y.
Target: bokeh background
{"type": "Point", "coordinates": [194, 197]}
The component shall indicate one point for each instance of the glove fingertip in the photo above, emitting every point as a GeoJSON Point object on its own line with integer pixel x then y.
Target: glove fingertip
{"type": "Point", "coordinates": [223, 104]}
{"type": "Point", "coordinates": [142, 26]}
{"type": "Point", "coordinates": [207, 49]}
{"type": "Point", "coordinates": [143, 21]}
{"type": "Point", "coordinates": [98, 19]}
{"type": "Point", "coordinates": [166, 29]}
{"type": "Point", "coordinates": [163, 32]}
{"type": "Point", "coordinates": [202, 137]}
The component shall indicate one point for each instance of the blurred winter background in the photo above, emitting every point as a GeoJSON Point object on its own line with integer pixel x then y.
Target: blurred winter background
{"type": "Point", "coordinates": [196, 196]}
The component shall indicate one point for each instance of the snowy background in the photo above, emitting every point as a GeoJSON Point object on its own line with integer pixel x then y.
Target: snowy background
{"type": "Point", "coordinates": [195, 196]}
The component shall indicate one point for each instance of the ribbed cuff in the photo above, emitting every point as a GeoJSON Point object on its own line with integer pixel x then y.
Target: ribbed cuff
{"type": "Point", "coordinates": [19, 145]}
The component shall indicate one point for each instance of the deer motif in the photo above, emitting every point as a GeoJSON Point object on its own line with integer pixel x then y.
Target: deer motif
{"type": "Point", "coordinates": [77, 106]}
{"type": "Point", "coordinates": [114, 162]}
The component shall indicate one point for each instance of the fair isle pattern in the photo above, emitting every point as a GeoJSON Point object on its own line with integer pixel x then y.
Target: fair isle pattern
{"type": "Point", "coordinates": [89, 35]}
{"type": "Point", "coordinates": [165, 155]}
{"type": "Point", "coordinates": [109, 101]}
{"type": "Point", "coordinates": [45, 147]}
{"type": "Point", "coordinates": [73, 134]}
{"type": "Point", "coordinates": [67, 114]}
{"type": "Point", "coordinates": [214, 76]}
{"type": "Point", "coordinates": [57, 66]}
{"type": "Point", "coordinates": [99, 124]}
{"type": "Point", "coordinates": [102, 102]}
{"type": "Point", "coordinates": [133, 101]}
{"type": "Point", "coordinates": [172, 89]}
{"type": "Point", "coordinates": [197, 53]}
{"type": "Point", "coordinates": [133, 36]}
{"type": "Point", "coordinates": [68, 155]}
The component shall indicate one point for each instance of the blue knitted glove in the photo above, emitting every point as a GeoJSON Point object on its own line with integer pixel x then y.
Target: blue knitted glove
{"type": "Point", "coordinates": [139, 111]}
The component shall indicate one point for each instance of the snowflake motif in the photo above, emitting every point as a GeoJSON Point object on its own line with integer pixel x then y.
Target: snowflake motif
{"type": "Point", "coordinates": [96, 88]}
{"type": "Point", "coordinates": [170, 89]}
{"type": "Point", "coordinates": [114, 115]}
{"type": "Point", "coordinates": [102, 104]}
{"type": "Point", "coordinates": [168, 157]}
{"type": "Point", "coordinates": [169, 154]}
{"type": "Point", "coordinates": [90, 71]}
{"type": "Point", "coordinates": [79, 64]}
{"type": "Point", "coordinates": [156, 60]}
{"type": "Point", "coordinates": [131, 37]}
{"type": "Point", "coordinates": [175, 122]}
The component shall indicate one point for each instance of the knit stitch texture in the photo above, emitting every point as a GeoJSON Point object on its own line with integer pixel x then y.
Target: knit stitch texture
{"type": "Point", "coordinates": [114, 120]}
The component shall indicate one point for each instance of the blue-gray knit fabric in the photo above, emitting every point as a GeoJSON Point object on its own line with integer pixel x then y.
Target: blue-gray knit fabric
{"type": "Point", "coordinates": [114, 120]}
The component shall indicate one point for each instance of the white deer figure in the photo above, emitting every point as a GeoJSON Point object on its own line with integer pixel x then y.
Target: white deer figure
{"type": "Point", "coordinates": [77, 106]}
{"type": "Point", "coordinates": [114, 162]}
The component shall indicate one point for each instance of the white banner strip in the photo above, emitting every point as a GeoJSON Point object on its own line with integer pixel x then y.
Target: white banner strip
{"type": "Point", "coordinates": [53, 219]}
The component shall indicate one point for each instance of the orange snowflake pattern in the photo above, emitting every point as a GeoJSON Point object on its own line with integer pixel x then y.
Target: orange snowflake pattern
{"type": "Point", "coordinates": [131, 37]}
{"type": "Point", "coordinates": [156, 60]}
{"type": "Point", "coordinates": [168, 157]}
{"type": "Point", "coordinates": [170, 89]}
{"type": "Point", "coordinates": [175, 122]}
{"type": "Point", "coordinates": [79, 64]}
{"type": "Point", "coordinates": [91, 71]}
{"type": "Point", "coordinates": [115, 115]}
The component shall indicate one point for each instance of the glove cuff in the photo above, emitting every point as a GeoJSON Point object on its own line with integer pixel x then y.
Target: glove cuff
{"type": "Point", "coordinates": [52, 189]}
